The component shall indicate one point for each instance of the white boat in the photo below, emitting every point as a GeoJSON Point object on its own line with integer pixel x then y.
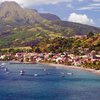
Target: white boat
{"type": "Point", "coordinates": [3, 64]}
{"type": "Point", "coordinates": [22, 72]}
{"type": "Point", "coordinates": [69, 73]}
{"type": "Point", "coordinates": [35, 75]}
{"type": "Point", "coordinates": [44, 70]}
{"type": "Point", "coordinates": [6, 69]}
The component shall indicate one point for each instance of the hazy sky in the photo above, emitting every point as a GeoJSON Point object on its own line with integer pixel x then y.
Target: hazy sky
{"type": "Point", "coordinates": [81, 11]}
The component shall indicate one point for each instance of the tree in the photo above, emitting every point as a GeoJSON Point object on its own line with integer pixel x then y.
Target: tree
{"type": "Point", "coordinates": [11, 50]}
{"type": "Point", "coordinates": [37, 50]}
{"type": "Point", "coordinates": [90, 34]}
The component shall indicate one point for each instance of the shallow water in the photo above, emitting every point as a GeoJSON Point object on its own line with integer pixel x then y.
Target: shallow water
{"type": "Point", "coordinates": [48, 85]}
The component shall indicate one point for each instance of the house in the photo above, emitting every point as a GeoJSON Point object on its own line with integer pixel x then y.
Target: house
{"type": "Point", "coordinates": [2, 57]}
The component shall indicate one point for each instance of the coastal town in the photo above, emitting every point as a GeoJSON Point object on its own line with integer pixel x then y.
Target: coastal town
{"type": "Point", "coordinates": [50, 50]}
{"type": "Point", "coordinates": [59, 58]}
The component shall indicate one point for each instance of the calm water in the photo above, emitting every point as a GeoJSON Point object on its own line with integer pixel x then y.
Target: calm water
{"type": "Point", "coordinates": [48, 85]}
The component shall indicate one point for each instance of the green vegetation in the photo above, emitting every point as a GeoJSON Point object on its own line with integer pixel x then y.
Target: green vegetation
{"type": "Point", "coordinates": [92, 65]}
{"type": "Point", "coordinates": [75, 45]}
{"type": "Point", "coordinates": [23, 34]}
{"type": "Point", "coordinates": [12, 36]}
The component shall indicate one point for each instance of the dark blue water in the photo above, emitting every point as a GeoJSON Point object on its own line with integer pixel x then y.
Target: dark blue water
{"type": "Point", "coordinates": [48, 85]}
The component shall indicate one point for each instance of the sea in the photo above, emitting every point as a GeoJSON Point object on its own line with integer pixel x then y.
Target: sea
{"type": "Point", "coordinates": [45, 82]}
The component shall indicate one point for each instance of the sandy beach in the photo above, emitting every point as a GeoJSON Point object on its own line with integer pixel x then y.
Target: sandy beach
{"type": "Point", "coordinates": [73, 67]}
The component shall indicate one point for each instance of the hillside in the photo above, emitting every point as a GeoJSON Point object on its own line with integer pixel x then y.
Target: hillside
{"type": "Point", "coordinates": [75, 45]}
{"type": "Point", "coordinates": [49, 16]}
{"type": "Point", "coordinates": [21, 26]}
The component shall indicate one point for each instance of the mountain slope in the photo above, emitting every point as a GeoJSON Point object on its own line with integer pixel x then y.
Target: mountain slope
{"type": "Point", "coordinates": [12, 12]}
{"type": "Point", "coordinates": [78, 29]}
{"type": "Point", "coordinates": [20, 26]}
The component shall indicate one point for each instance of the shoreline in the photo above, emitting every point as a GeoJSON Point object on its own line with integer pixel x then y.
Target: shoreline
{"type": "Point", "coordinates": [73, 67]}
{"type": "Point", "coordinates": [97, 72]}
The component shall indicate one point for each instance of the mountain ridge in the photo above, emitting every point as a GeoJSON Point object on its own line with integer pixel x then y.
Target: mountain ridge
{"type": "Point", "coordinates": [22, 25]}
{"type": "Point", "coordinates": [49, 16]}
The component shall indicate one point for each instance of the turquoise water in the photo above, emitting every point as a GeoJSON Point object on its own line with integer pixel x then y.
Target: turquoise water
{"type": "Point", "coordinates": [48, 85]}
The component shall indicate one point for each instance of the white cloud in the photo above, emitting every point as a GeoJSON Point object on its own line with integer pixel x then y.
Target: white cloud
{"type": "Point", "coordinates": [37, 2]}
{"type": "Point", "coordinates": [80, 18]}
{"type": "Point", "coordinates": [90, 0]}
{"type": "Point", "coordinates": [69, 5]}
{"type": "Point", "coordinates": [96, 0]}
{"type": "Point", "coordinates": [94, 6]}
{"type": "Point", "coordinates": [80, 0]}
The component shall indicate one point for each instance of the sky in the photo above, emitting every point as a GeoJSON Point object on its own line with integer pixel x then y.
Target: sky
{"type": "Point", "coordinates": [79, 11]}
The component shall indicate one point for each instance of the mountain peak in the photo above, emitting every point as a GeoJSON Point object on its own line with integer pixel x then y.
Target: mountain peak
{"type": "Point", "coordinates": [13, 12]}
{"type": "Point", "coordinates": [9, 4]}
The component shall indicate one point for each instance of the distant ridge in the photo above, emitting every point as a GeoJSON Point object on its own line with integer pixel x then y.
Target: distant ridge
{"type": "Point", "coordinates": [49, 16]}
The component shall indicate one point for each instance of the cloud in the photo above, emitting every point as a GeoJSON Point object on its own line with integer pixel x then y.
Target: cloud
{"type": "Point", "coordinates": [90, 0]}
{"type": "Point", "coordinates": [80, 0]}
{"type": "Point", "coordinates": [96, 0]}
{"type": "Point", "coordinates": [80, 18]}
{"type": "Point", "coordinates": [37, 2]}
{"type": "Point", "coordinates": [95, 7]}
{"type": "Point", "coordinates": [69, 5]}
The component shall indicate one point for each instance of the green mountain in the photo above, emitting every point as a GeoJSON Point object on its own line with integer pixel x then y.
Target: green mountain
{"type": "Point", "coordinates": [20, 26]}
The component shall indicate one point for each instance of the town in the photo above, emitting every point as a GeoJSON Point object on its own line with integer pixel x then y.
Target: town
{"type": "Point", "coordinates": [64, 58]}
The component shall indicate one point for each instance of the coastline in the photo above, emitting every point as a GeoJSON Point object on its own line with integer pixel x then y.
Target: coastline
{"type": "Point", "coordinates": [73, 67]}
{"type": "Point", "coordinates": [59, 66]}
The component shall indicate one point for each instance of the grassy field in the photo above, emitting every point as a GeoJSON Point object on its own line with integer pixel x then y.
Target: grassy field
{"type": "Point", "coordinates": [16, 48]}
